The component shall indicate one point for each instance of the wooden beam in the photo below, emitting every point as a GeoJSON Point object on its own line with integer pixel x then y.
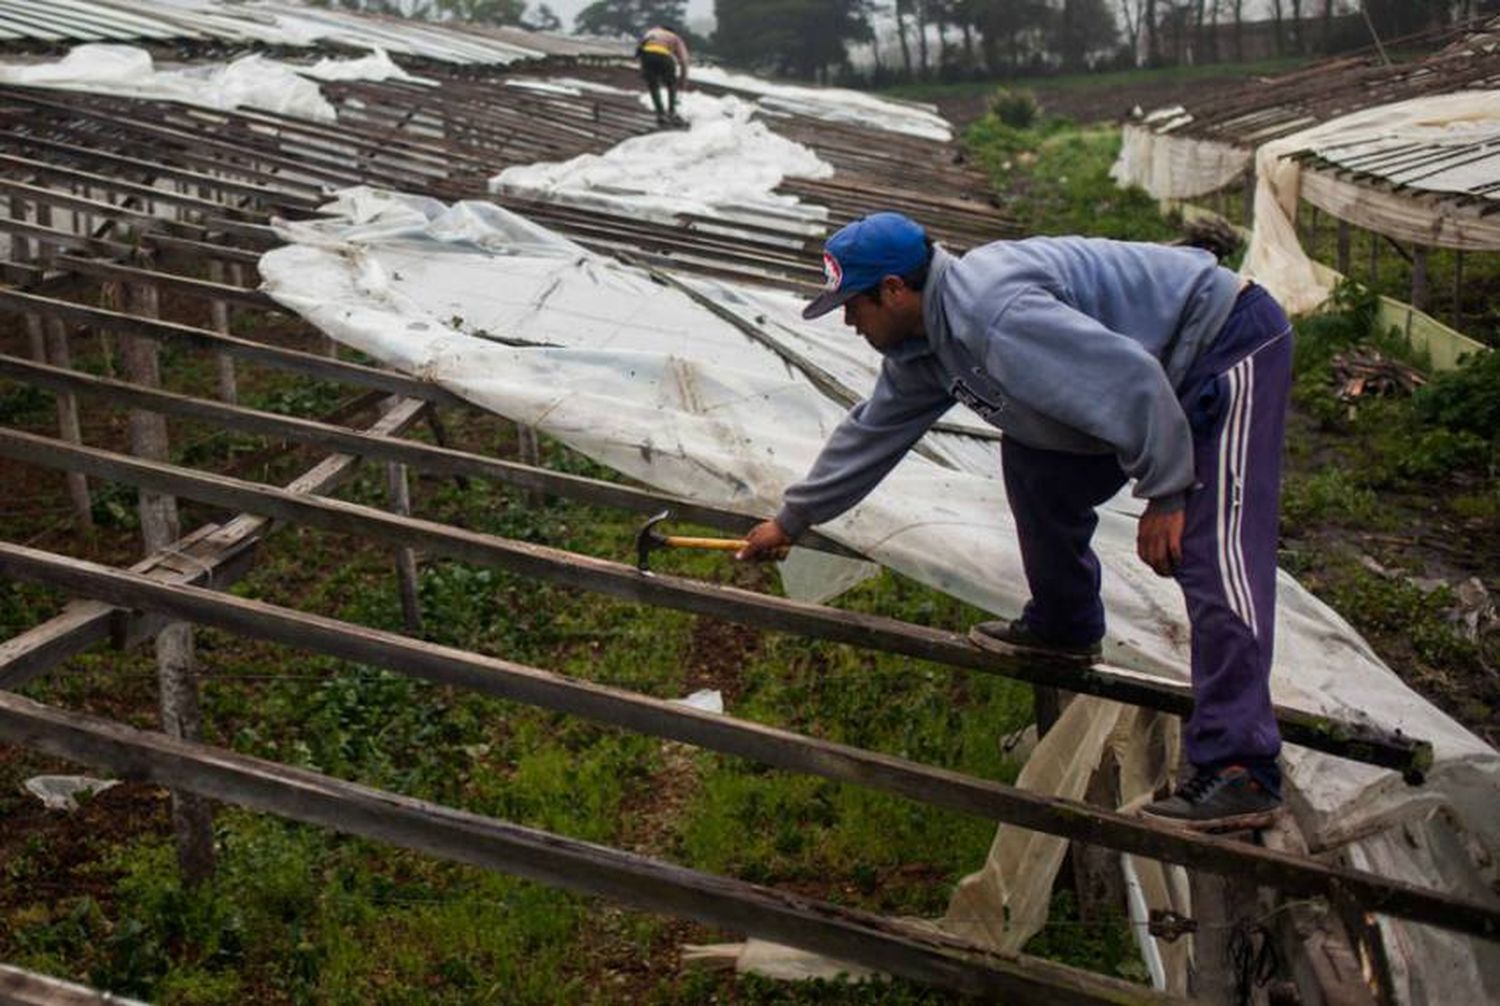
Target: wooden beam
{"type": "Point", "coordinates": [270, 196]}
{"type": "Point", "coordinates": [211, 290]}
{"type": "Point", "coordinates": [842, 933]}
{"type": "Point", "coordinates": [27, 988]}
{"type": "Point", "coordinates": [1349, 740]}
{"type": "Point", "coordinates": [773, 746]}
{"type": "Point", "coordinates": [429, 460]}
{"type": "Point", "coordinates": [213, 556]}
{"type": "Point", "coordinates": [308, 364]}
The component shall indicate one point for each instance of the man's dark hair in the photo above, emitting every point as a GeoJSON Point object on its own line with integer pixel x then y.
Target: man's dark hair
{"type": "Point", "coordinates": [917, 278]}
{"type": "Point", "coordinates": [914, 280]}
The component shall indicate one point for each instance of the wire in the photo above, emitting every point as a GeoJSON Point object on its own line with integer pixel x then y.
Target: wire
{"type": "Point", "coordinates": [1254, 963]}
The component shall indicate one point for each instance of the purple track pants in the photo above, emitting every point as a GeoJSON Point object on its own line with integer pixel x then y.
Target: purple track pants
{"type": "Point", "coordinates": [1235, 397]}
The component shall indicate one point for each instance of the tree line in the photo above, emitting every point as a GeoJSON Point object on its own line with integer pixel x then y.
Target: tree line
{"type": "Point", "coordinates": [887, 41]}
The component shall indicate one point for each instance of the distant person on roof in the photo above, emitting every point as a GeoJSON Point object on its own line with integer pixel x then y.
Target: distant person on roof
{"type": "Point", "coordinates": [664, 63]}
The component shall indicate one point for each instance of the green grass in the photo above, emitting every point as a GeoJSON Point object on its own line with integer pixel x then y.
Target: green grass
{"type": "Point", "coordinates": [1054, 179]}
{"type": "Point", "coordinates": [299, 914]}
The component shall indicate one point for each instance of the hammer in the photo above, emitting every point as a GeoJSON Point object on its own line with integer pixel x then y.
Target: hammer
{"type": "Point", "coordinates": [648, 538]}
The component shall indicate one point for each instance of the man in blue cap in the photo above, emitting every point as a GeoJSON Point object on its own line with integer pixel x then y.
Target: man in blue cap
{"type": "Point", "coordinates": [1102, 361]}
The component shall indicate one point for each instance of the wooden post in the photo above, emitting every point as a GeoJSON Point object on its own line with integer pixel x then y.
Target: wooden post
{"type": "Point", "coordinates": [1048, 705]}
{"type": "Point", "coordinates": [59, 354]}
{"type": "Point", "coordinates": [1097, 878]}
{"type": "Point", "coordinates": [1219, 903]}
{"type": "Point", "coordinates": [192, 817]}
{"type": "Point", "coordinates": [1420, 289]}
{"type": "Point", "coordinates": [228, 389]}
{"type": "Point", "coordinates": [20, 247]}
{"type": "Point", "coordinates": [529, 452]}
{"type": "Point", "coordinates": [398, 491]}
{"type": "Point", "coordinates": [1343, 247]}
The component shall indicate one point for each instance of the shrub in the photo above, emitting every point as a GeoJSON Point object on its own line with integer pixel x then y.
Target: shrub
{"type": "Point", "coordinates": [1465, 400]}
{"type": "Point", "coordinates": [1017, 109]}
{"type": "Point", "coordinates": [1328, 495]}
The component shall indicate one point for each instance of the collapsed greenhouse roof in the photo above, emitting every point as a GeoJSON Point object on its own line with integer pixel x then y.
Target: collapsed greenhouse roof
{"type": "Point", "coordinates": [1212, 139]}
{"type": "Point", "coordinates": [666, 344]}
{"type": "Point", "coordinates": [185, 22]}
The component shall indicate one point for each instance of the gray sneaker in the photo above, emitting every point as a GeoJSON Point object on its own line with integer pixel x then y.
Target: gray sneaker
{"type": "Point", "coordinates": [1226, 799]}
{"type": "Point", "coordinates": [1015, 637]}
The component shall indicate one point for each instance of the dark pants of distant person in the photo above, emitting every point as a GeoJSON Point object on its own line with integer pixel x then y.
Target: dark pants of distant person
{"type": "Point", "coordinates": [660, 70]}
{"type": "Point", "coordinates": [1235, 398]}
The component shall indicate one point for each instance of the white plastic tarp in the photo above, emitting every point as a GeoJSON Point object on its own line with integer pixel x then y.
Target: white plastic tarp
{"type": "Point", "coordinates": [1175, 167]}
{"type": "Point", "coordinates": [378, 65]}
{"type": "Point", "coordinates": [1276, 258]}
{"type": "Point", "coordinates": [640, 377]}
{"type": "Point", "coordinates": [835, 104]}
{"type": "Point", "coordinates": [725, 165]}
{"type": "Point", "coordinates": [250, 81]}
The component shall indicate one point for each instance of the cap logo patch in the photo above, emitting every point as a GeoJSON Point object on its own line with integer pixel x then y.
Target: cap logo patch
{"type": "Point", "coordinates": [833, 273]}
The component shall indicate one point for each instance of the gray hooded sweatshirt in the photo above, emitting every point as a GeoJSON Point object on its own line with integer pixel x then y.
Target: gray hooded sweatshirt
{"type": "Point", "coordinates": [1066, 344]}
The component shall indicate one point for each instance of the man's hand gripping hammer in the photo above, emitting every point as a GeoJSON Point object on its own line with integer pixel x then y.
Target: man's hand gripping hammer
{"type": "Point", "coordinates": [648, 539]}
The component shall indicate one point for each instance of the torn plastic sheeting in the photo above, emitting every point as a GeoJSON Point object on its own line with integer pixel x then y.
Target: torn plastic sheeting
{"type": "Point", "coordinates": [62, 792]}
{"type": "Point", "coordinates": [1175, 167]}
{"type": "Point", "coordinates": [835, 104]}
{"type": "Point", "coordinates": [378, 65]}
{"type": "Point", "coordinates": [250, 81]}
{"type": "Point", "coordinates": [726, 165]}
{"type": "Point", "coordinates": [570, 86]}
{"type": "Point", "coordinates": [642, 379]}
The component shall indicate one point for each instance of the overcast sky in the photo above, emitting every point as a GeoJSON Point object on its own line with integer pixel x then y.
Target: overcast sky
{"type": "Point", "coordinates": [697, 10]}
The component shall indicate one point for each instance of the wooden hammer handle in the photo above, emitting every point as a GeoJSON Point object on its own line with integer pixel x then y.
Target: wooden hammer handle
{"type": "Point", "coordinates": [718, 544]}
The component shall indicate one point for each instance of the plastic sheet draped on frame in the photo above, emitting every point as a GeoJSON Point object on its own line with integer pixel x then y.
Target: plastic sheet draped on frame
{"type": "Point", "coordinates": [726, 165]}
{"type": "Point", "coordinates": [1175, 167]}
{"type": "Point", "coordinates": [251, 81]}
{"type": "Point", "coordinates": [638, 376]}
{"type": "Point", "coordinates": [1276, 258]}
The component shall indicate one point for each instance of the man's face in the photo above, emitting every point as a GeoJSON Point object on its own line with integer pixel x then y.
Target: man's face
{"type": "Point", "coordinates": [883, 315]}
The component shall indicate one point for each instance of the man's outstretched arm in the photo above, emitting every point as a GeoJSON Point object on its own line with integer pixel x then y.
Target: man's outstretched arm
{"type": "Point", "coordinates": [870, 441]}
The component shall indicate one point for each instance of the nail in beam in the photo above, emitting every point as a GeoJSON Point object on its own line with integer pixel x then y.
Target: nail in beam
{"type": "Point", "coordinates": [1349, 740]}
{"type": "Point", "coordinates": [780, 748]}
{"type": "Point", "coordinates": [842, 933]}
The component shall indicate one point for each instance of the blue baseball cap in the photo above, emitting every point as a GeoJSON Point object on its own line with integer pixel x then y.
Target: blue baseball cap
{"type": "Point", "coordinates": [858, 256]}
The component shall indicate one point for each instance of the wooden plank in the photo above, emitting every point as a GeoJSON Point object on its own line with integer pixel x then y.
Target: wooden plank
{"type": "Point", "coordinates": [309, 364]}
{"type": "Point", "coordinates": [426, 459]}
{"type": "Point", "coordinates": [773, 746]}
{"type": "Point", "coordinates": [542, 857]}
{"type": "Point", "coordinates": [212, 556]}
{"type": "Point", "coordinates": [212, 290]}
{"type": "Point", "coordinates": [267, 195]}
{"type": "Point", "coordinates": [27, 988]}
{"type": "Point", "coordinates": [1350, 740]}
{"type": "Point", "coordinates": [111, 183]}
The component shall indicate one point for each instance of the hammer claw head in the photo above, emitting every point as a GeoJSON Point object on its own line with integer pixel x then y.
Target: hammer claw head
{"type": "Point", "coordinates": [648, 538]}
